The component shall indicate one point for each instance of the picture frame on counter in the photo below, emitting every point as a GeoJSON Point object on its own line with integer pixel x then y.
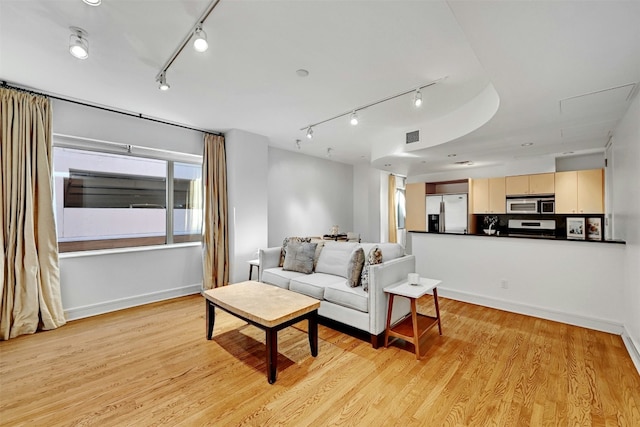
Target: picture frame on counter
{"type": "Point", "coordinates": [576, 228]}
{"type": "Point", "coordinates": [594, 228]}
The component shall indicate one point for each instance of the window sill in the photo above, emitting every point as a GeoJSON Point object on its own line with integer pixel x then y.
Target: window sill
{"type": "Point", "coordinates": [100, 252]}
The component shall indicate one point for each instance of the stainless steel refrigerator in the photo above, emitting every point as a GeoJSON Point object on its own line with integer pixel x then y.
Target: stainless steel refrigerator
{"type": "Point", "coordinates": [449, 212]}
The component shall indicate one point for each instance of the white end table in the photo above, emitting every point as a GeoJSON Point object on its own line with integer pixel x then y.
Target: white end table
{"type": "Point", "coordinates": [412, 327]}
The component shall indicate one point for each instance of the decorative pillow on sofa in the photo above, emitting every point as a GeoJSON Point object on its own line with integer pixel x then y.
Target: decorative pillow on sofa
{"type": "Point", "coordinates": [374, 257]}
{"type": "Point", "coordinates": [334, 258]}
{"type": "Point", "coordinates": [299, 257]}
{"type": "Point", "coordinates": [285, 243]}
{"type": "Point", "coordinates": [355, 267]}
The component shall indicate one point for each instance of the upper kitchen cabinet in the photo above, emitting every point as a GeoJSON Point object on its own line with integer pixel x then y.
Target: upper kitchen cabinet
{"type": "Point", "coordinates": [488, 195]}
{"type": "Point", "coordinates": [580, 192]}
{"type": "Point", "coordinates": [416, 219]}
{"type": "Point", "coordinates": [542, 183]}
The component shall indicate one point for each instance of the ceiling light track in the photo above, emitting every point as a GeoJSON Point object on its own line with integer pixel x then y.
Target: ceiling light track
{"type": "Point", "coordinates": [197, 28]}
{"type": "Point", "coordinates": [353, 111]}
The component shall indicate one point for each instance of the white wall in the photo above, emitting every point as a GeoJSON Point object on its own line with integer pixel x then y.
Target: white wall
{"type": "Point", "coordinates": [307, 195]}
{"type": "Point", "coordinates": [626, 212]}
{"type": "Point", "coordinates": [580, 283]}
{"type": "Point", "coordinates": [96, 282]}
{"type": "Point", "coordinates": [366, 202]}
{"type": "Point", "coordinates": [248, 194]}
{"type": "Point", "coordinates": [580, 162]}
{"type": "Point", "coordinates": [101, 281]}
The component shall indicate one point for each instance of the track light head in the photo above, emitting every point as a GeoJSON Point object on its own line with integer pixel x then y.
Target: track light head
{"type": "Point", "coordinates": [329, 150]}
{"type": "Point", "coordinates": [417, 98]}
{"type": "Point", "coordinates": [354, 118]}
{"type": "Point", "coordinates": [93, 2]}
{"type": "Point", "coordinates": [78, 43]}
{"type": "Point", "coordinates": [298, 144]}
{"type": "Point", "coordinates": [310, 132]}
{"type": "Point", "coordinates": [163, 85]}
{"type": "Point", "coordinates": [200, 43]}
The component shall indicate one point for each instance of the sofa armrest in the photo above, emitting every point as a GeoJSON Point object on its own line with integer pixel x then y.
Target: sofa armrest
{"type": "Point", "coordinates": [381, 276]}
{"type": "Point", "coordinates": [269, 258]}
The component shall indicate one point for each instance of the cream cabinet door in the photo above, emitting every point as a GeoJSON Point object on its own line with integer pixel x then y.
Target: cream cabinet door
{"type": "Point", "coordinates": [542, 183]}
{"type": "Point", "coordinates": [497, 195]}
{"type": "Point", "coordinates": [566, 192]}
{"type": "Point", "coordinates": [591, 191]}
{"type": "Point", "coordinates": [517, 185]}
{"type": "Point", "coordinates": [480, 195]}
{"type": "Point", "coordinates": [415, 197]}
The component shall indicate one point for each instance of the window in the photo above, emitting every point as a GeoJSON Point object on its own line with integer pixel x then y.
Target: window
{"type": "Point", "coordinates": [105, 200]}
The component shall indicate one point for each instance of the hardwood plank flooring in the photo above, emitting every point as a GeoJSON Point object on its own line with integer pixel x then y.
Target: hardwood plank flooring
{"type": "Point", "coordinates": [152, 366]}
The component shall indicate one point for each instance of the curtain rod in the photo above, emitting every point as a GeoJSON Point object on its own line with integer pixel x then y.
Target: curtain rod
{"type": "Point", "coordinates": [4, 84]}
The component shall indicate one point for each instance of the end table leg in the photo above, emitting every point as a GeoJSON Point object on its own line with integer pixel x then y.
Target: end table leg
{"type": "Point", "coordinates": [272, 354]}
{"type": "Point", "coordinates": [210, 310]}
{"type": "Point", "coordinates": [313, 332]}
{"type": "Point", "coordinates": [435, 300]}
{"type": "Point", "coordinates": [416, 333]}
{"type": "Point", "coordinates": [386, 330]}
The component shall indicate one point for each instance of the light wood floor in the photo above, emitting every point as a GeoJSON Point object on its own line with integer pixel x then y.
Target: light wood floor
{"type": "Point", "coordinates": [152, 366]}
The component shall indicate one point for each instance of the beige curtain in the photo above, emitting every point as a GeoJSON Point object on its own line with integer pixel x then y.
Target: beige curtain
{"type": "Point", "coordinates": [30, 288]}
{"type": "Point", "coordinates": [393, 232]}
{"type": "Point", "coordinates": [216, 235]}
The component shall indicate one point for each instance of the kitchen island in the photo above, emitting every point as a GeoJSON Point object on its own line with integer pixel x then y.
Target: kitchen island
{"type": "Point", "coordinates": [570, 281]}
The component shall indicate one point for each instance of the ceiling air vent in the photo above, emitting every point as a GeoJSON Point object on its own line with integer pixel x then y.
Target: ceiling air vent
{"type": "Point", "coordinates": [413, 136]}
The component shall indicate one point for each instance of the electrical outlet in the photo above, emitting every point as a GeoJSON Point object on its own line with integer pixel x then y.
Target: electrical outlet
{"type": "Point", "coordinates": [504, 284]}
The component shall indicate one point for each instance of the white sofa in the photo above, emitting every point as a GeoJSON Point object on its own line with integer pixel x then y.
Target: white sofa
{"type": "Point", "coordinates": [352, 306]}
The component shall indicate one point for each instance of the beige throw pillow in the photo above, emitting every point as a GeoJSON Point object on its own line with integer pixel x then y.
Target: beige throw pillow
{"type": "Point", "coordinates": [355, 267]}
{"type": "Point", "coordinates": [285, 243]}
{"type": "Point", "coordinates": [299, 257]}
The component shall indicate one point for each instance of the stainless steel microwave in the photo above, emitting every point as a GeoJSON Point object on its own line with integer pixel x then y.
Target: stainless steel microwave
{"type": "Point", "coordinates": [532, 205]}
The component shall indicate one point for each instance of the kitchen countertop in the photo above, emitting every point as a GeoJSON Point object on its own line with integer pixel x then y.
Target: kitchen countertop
{"type": "Point", "coordinates": [521, 236]}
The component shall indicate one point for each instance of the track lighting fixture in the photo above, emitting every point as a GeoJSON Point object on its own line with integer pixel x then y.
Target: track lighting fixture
{"type": "Point", "coordinates": [78, 43]}
{"type": "Point", "coordinates": [329, 150]}
{"type": "Point", "coordinates": [298, 144]}
{"type": "Point", "coordinates": [200, 42]}
{"type": "Point", "coordinates": [163, 82]}
{"type": "Point", "coordinates": [93, 2]}
{"type": "Point", "coordinates": [354, 119]}
{"type": "Point", "coordinates": [417, 101]}
{"type": "Point", "coordinates": [417, 98]}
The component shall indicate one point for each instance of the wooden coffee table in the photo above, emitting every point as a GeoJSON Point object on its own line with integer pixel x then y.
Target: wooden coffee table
{"type": "Point", "coordinates": [268, 307]}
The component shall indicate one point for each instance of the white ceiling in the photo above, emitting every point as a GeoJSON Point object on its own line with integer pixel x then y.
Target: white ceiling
{"type": "Point", "coordinates": [564, 72]}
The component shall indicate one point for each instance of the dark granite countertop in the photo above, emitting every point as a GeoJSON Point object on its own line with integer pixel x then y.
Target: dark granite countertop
{"type": "Point", "coordinates": [521, 236]}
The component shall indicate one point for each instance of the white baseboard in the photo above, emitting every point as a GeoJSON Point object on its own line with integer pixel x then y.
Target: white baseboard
{"type": "Point", "coordinates": [530, 310]}
{"type": "Point", "coordinates": [75, 313]}
{"type": "Point", "coordinates": [632, 348]}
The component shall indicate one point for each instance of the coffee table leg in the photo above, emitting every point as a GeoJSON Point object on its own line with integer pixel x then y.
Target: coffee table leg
{"type": "Point", "coordinates": [272, 354]}
{"type": "Point", "coordinates": [313, 332]}
{"type": "Point", "coordinates": [211, 318]}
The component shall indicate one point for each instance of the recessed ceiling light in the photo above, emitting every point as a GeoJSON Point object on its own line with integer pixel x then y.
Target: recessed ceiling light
{"type": "Point", "coordinates": [451, 155]}
{"type": "Point", "coordinates": [527, 144]}
{"type": "Point", "coordinates": [302, 72]}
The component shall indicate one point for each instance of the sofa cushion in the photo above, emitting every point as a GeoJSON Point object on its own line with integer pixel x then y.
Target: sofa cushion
{"type": "Point", "coordinates": [314, 284]}
{"type": "Point", "coordinates": [285, 243]}
{"type": "Point", "coordinates": [355, 267]}
{"type": "Point", "coordinates": [347, 296]}
{"type": "Point", "coordinates": [334, 258]}
{"type": "Point", "coordinates": [374, 257]}
{"type": "Point", "coordinates": [279, 277]}
{"type": "Point", "coordinates": [389, 250]}
{"type": "Point", "coordinates": [299, 257]}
